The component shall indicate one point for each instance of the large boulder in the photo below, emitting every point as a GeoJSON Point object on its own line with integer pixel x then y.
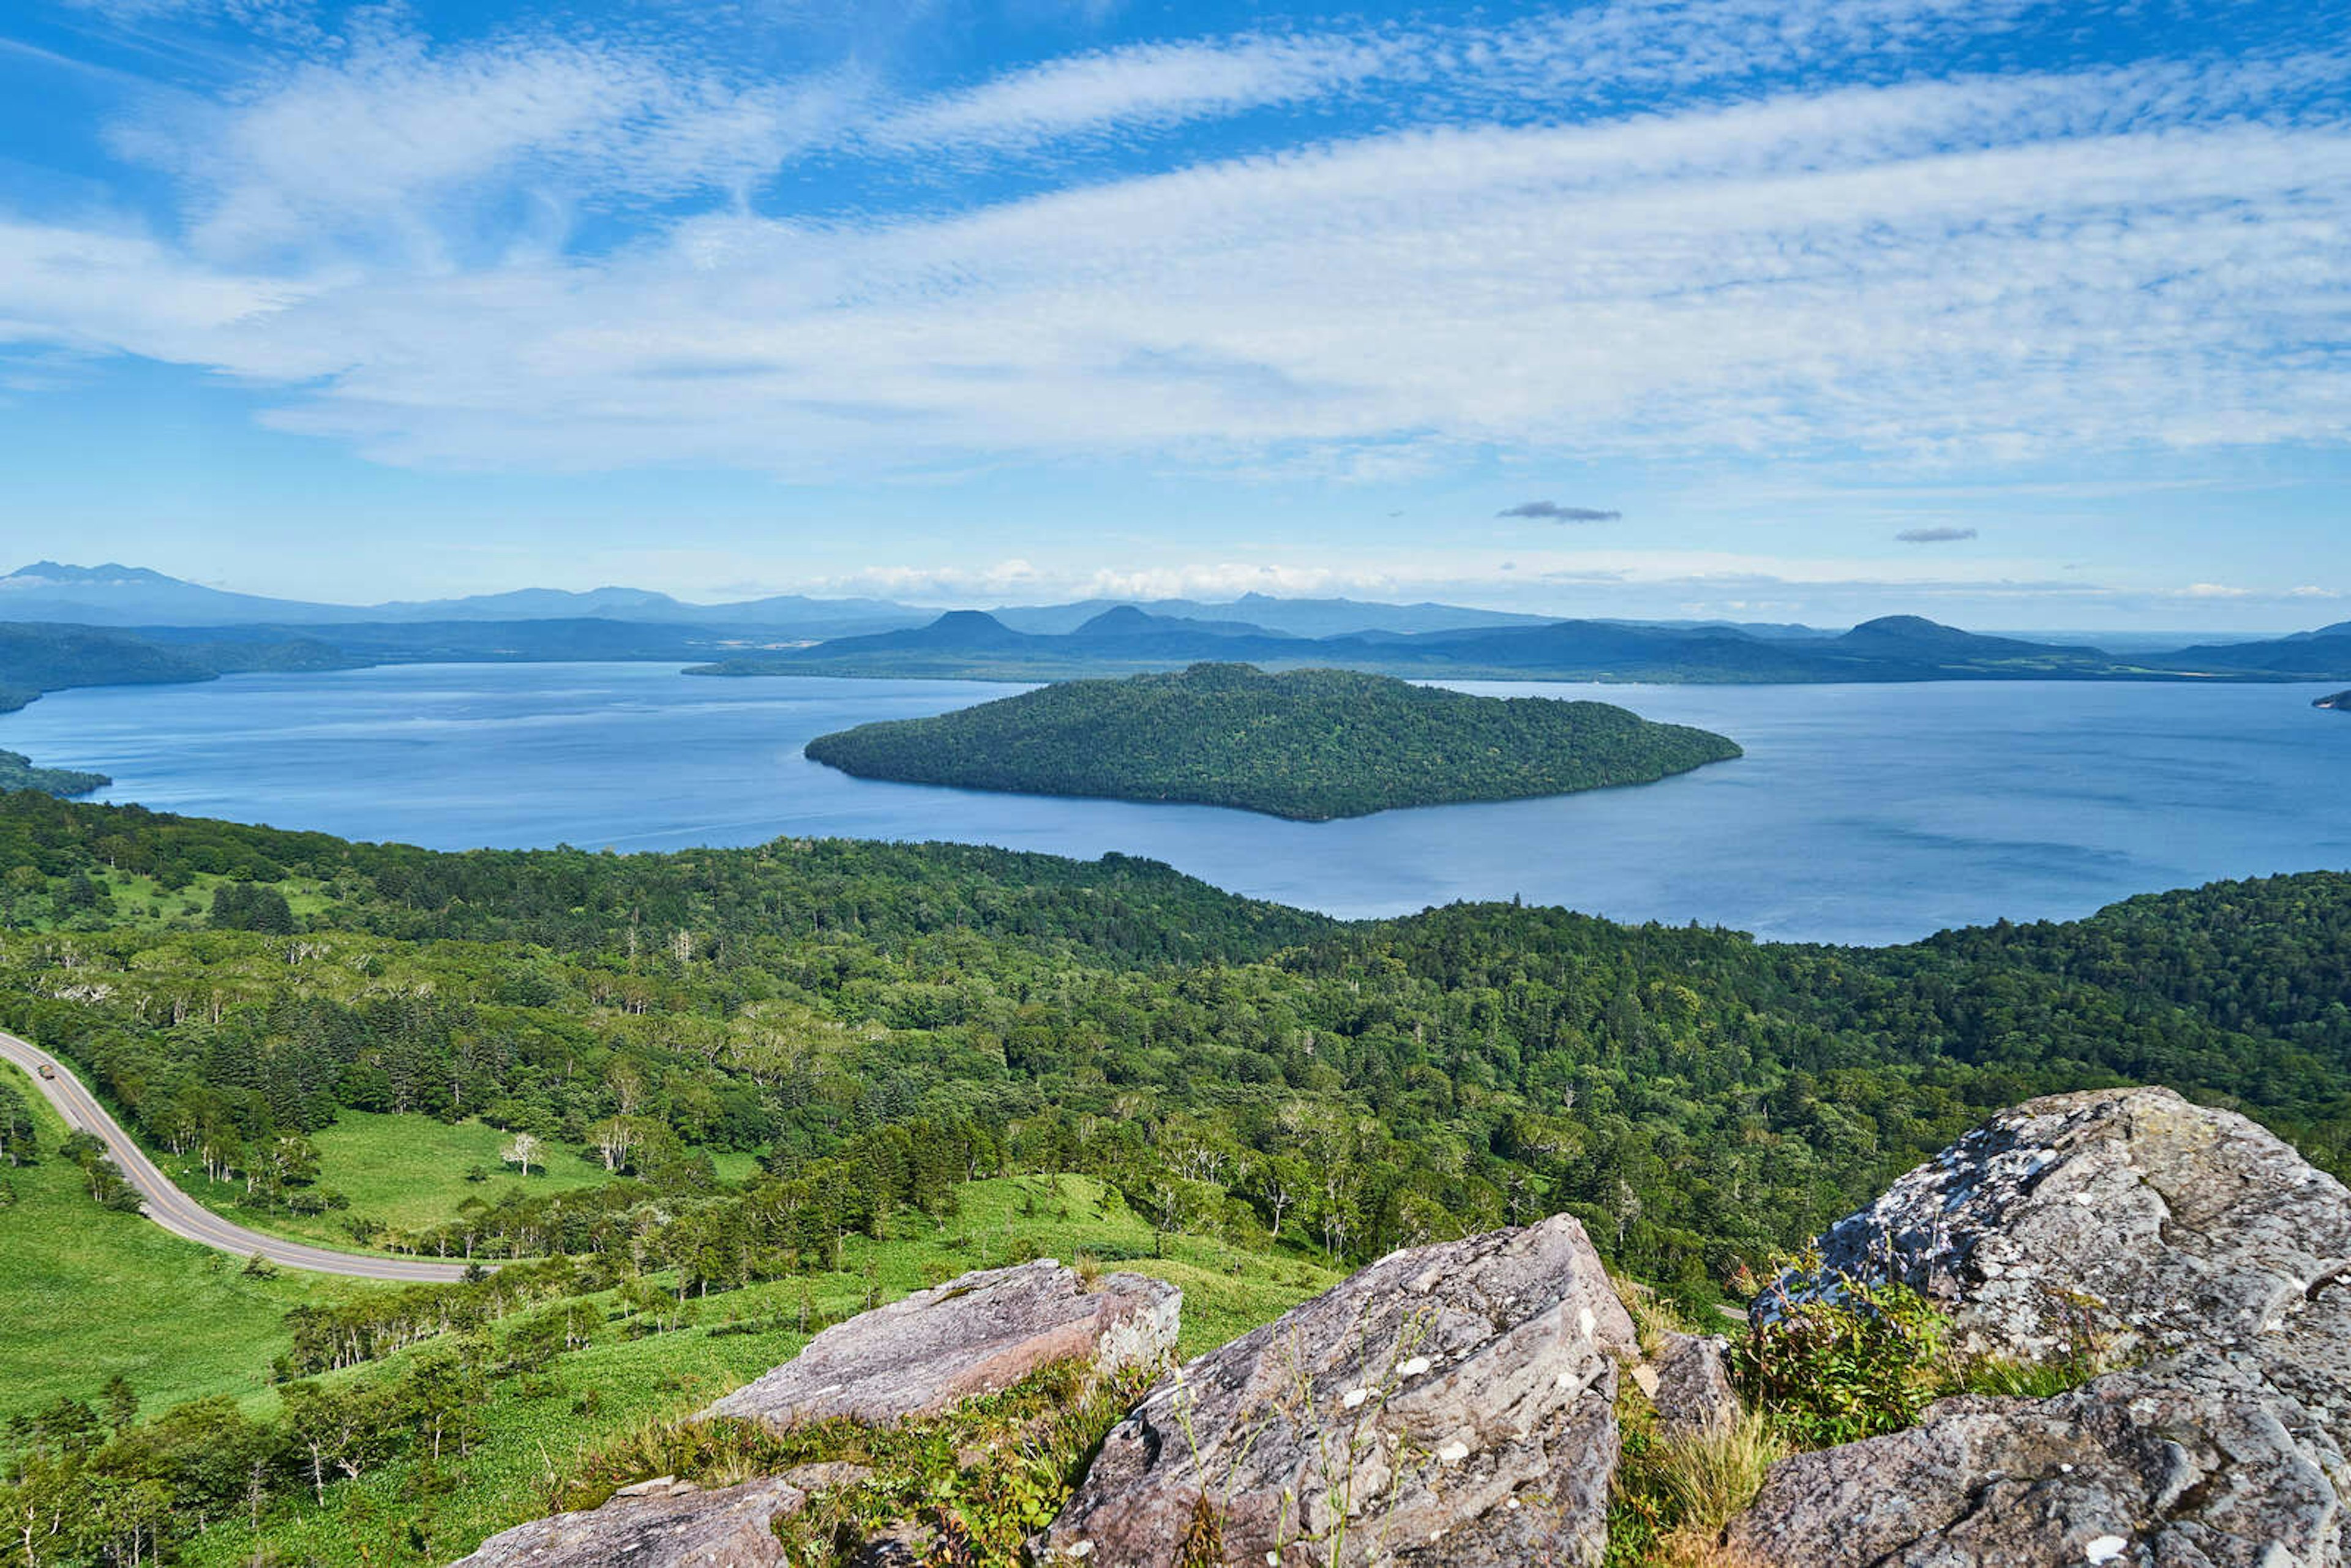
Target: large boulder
{"type": "Point", "coordinates": [2130, 1215]}
{"type": "Point", "coordinates": [662, 1525]}
{"type": "Point", "coordinates": [2189, 1461]}
{"type": "Point", "coordinates": [976, 1334]}
{"type": "Point", "coordinates": [1449, 1405]}
{"type": "Point", "coordinates": [2185, 1240]}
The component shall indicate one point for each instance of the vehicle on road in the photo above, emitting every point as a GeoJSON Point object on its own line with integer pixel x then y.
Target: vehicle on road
{"type": "Point", "coordinates": [47, 1072]}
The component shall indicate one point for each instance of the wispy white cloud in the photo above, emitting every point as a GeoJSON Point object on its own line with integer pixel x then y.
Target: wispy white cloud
{"type": "Point", "coordinates": [394, 154]}
{"type": "Point", "coordinates": [1925, 270]}
{"type": "Point", "coordinates": [1144, 86]}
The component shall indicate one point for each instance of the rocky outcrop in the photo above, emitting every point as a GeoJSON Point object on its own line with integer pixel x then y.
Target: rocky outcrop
{"type": "Point", "coordinates": [658, 1524]}
{"type": "Point", "coordinates": [2129, 1215]}
{"type": "Point", "coordinates": [2128, 1220]}
{"type": "Point", "coordinates": [976, 1334]}
{"type": "Point", "coordinates": [1688, 1383]}
{"type": "Point", "coordinates": [1449, 1405]}
{"type": "Point", "coordinates": [1452, 1405]}
{"type": "Point", "coordinates": [2190, 1461]}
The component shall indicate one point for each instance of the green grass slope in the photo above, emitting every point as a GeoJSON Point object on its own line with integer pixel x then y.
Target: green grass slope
{"type": "Point", "coordinates": [408, 1172]}
{"type": "Point", "coordinates": [538, 1431]}
{"type": "Point", "coordinates": [91, 1292]}
{"type": "Point", "coordinates": [1308, 744]}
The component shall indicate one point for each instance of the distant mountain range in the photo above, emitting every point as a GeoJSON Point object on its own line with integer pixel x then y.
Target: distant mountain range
{"type": "Point", "coordinates": [1126, 639]}
{"type": "Point", "coordinates": [131, 596]}
{"type": "Point", "coordinates": [68, 625]}
{"type": "Point", "coordinates": [112, 595]}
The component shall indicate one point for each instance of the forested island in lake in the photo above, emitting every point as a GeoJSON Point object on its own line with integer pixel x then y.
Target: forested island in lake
{"type": "Point", "coordinates": [1306, 744]}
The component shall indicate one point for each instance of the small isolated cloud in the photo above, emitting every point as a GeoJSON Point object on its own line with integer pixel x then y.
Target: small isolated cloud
{"type": "Point", "coordinates": [1553, 512]}
{"type": "Point", "coordinates": [1934, 535]}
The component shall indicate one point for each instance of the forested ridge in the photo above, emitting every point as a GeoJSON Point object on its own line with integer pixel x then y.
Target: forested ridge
{"type": "Point", "coordinates": [1709, 1096]}
{"type": "Point", "coordinates": [1312, 744]}
{"type": "Point", "coordinates": [37, 657]}
{"type": "Point", "coordinates": [879, 1025]}
{"type": "Point", "coordinates": [17, 772]}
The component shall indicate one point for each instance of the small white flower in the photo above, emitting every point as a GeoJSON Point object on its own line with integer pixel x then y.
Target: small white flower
{"type": "Point", "coordinates": [2105, 1549]}
{"type": "Point", "coordinates": [1355, 1396]}
{"type": "Point", "coordinates": [1453, 1453]}
{"type": "Point", "coordinates": [1273, 1560]}
{"type": "Point", "coordinates": [1413, 1368]}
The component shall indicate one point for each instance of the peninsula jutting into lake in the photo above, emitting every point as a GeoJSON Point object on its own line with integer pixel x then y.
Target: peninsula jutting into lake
{"type": "Point", "coordinates": [1309, 744]}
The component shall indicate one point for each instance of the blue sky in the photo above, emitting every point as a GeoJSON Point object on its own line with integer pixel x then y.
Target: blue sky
{"type": "Point", "coordinates": [2014, 314]}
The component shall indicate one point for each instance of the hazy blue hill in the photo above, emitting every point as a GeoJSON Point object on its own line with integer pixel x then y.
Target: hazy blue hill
{"type": "Point", "coordinates": [788, 614]}
{"type": "Point", "coordinates": [1282, 617]}
{"type": "Point", "coordinates": [1127, 621]}
{"type": "Point", "coordinates": [580, 637]}
{"type": "Point", "coordinates": [114, 595]}
{"type": "Point", "coordinates": [38, 657]}
{"type": "Point", "coordinates": [1311, 744]}
{"type": "Point", "coordinates": [1337, 617]}
{"type": "Point", "coordinates": [43, 658]}
{"type": "Point", "coordinates": [958, 631]}
{"type": "Point", "coordinates": [1914, 636]}
{"type": "Point", "coordinates": [2321, 655]}
{"type": "Point", "coordinates": [1127, 639]}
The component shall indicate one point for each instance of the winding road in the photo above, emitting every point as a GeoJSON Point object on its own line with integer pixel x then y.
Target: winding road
{"type": "Point", "coordinates": [182, 1215]}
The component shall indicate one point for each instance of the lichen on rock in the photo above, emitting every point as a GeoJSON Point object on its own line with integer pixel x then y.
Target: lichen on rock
{"type": "Point", "coordinates": [1446, 1404]}
{"type": "Point", "coordinates": [2200, 1252]}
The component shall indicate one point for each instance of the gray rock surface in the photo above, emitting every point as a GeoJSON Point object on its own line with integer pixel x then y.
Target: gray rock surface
{"type": "Point", "coordinates": [1692, 1390]}
{"type": "Point", "coordinates": [2188, 1461]}
{"type": "Point", "coordinates": [2186, 1237]}
{"type": "Point", "coordinates": [684, 1527]}
{"type": "Point", "coordinates": [976, 1334]}
{"type": "Point", "coordinates": [2155, 1223]}
{"type": "Point", "coordinates": [1450, 1404]}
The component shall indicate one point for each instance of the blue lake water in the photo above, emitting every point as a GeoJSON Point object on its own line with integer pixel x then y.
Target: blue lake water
{"type": "Point", "coordinates": [1860, 813]}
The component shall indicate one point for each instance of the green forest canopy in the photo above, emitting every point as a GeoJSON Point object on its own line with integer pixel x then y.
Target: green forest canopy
{"type": "Point", "coordinates": [17, 772]}
{"type": "Point", "coordinates": [1311, 744]}
{"type": "Point", "coordinates": [1700, 1098]}
{"type": "Point", "coordinates": [879, 1025]}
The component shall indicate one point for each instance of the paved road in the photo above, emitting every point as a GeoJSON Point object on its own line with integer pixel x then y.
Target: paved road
{"type": "Point", "coordinates": [181, 1214]}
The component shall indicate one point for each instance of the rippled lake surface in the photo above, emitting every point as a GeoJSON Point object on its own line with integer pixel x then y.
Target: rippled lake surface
{"type": "Point", "coordinates": [1864, 813]}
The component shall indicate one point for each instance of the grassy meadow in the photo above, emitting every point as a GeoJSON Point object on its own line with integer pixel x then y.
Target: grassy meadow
{"type": "Point", "coordinates": [92, 1293]}
{"type": "Point", "coordinates": [535, 1431]}
{"type": "Point", "coordinates": [408, 1171]}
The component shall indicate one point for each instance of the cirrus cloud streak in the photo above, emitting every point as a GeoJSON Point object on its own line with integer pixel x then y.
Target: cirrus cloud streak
{"type": "Point", "coordinates": [1921, 271]}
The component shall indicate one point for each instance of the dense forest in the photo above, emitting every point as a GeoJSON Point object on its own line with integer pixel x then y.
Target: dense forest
{"type": "Point", "coordinates": [867, 1030]}
{"type": "Point", "coordinates": [1308, 744]}
{"type": "Point", "coordinates": [1702, 1098]}
{"type": "Point", "coordinates": [36, 657]}
{"type": "Point", "coordinates": [17, 772]}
